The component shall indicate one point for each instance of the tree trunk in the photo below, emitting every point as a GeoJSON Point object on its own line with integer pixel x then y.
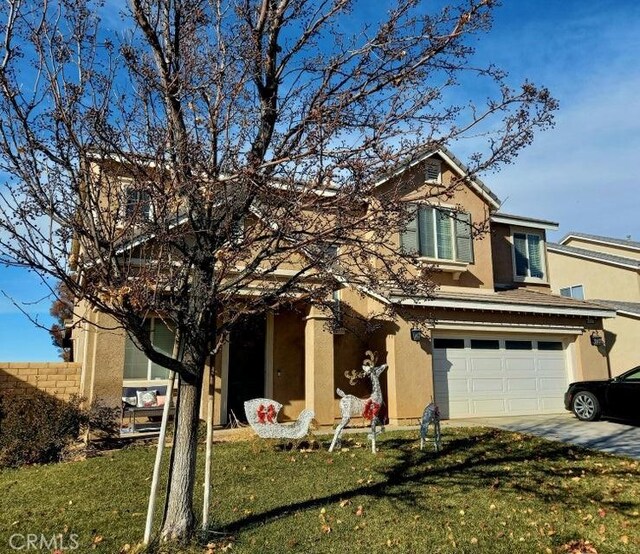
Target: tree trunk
{"type": "Point", "coordinates": [180, 520]}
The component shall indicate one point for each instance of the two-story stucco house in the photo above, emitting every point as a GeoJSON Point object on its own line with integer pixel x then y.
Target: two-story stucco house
{"type": "Point", "coordinates": [492, 340]}
{"type": "Point", "coordinates": [606, 271]}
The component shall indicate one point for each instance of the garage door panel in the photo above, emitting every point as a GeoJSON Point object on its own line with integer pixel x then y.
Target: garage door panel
{"type": "Point", "coordinates": [551, 364]}
{"type": "Point", "coordinates": [552, 385]}
{"type": "Point", "coordinates": [519, 364]}
{"type": "Point", "coordinates": [523, 406]}
{"type": "Point", "coordinates": [487, 385]}
{"type": "Point", "coordinates": [552, 405]}
{"type": "Point", "coordinates": [481, 382]}
{"type": "Point", "coordinates": [455, 386]}
{"type": "Point", "coordinates": [526, 384]}
{"type": "Point", "coordinates": [489, 405]}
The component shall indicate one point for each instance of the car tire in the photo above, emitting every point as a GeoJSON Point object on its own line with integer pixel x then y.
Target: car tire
{"type": "Point", "coordinates": [586, 406]}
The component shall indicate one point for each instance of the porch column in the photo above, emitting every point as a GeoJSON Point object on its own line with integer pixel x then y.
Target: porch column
{"type": "Point", "coordinates": [409, 376]}
{"type": "Point", "coordinates": [107, 361]}
{"type": "Point", "coordinates": [318, 367]}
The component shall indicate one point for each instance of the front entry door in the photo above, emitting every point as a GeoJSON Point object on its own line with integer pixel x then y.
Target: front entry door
{"type": "Point", "coordinates": [246, 364]}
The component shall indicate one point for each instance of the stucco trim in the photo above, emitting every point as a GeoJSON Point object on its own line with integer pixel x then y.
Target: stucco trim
{"type": "Point", "coordinates": [453, 325]}
{"type": "Point", "coordinates": [501, 307]}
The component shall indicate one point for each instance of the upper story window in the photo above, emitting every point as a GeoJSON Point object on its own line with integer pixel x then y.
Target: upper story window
{"type": "Point", "coordinates": [438, 233]}
{"type": "Point", "coordinates": [433, 171]}
{"type": "Point", "coordinates": [137, 204]}
{"type": "Point", "coordinates": [574, 291]}
{"type": "Point", "coordinates": [528, 256]}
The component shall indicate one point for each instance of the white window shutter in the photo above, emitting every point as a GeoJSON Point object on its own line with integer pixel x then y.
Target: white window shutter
{"type": "Point", "coordinates": [464, 240]}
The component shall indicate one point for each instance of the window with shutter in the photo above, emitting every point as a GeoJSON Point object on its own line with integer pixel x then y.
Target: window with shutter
{"type": "Point", "coordinates": [438, 233]}
{"type": "Point", "coordinates": [528, 256]}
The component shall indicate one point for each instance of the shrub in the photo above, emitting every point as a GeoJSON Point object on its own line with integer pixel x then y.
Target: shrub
{"type": "Point", "coordinates": [38, 428]}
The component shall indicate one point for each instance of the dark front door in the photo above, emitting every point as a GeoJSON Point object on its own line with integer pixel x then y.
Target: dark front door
{"type": "Point", "coordinates": [246, 364]}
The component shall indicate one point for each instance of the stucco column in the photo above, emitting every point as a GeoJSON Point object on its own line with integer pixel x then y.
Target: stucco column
{"type": "Point", "coordinates": [409, 376]}
{"type": "Point", "coordinates": [318, 367]}
{"type": "Point", "coordinates": [107, 361]}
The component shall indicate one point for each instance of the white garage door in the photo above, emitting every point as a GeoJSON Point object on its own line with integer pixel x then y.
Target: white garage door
{"type": "Point", "coordinates": [499, 376]}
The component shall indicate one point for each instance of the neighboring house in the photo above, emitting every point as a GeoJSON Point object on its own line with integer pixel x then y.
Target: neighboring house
{"type": "Point", "coordinates": [605, 271]}
{"type": "Point", "coordinates": [493, 340]}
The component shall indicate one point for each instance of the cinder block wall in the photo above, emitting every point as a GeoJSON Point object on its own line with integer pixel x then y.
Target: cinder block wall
{"type": "Point", "coordinates": [59, 379]}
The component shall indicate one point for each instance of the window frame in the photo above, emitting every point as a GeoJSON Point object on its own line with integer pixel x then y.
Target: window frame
{"type": "Point", "coordinates": [453, 216]}
{"type": "Point", "coordinates": [570, 289]}
{"type": "Point", "coordinates": [148, 378]}
{"type": "Point", "coordinates": [129, 188]}
{"type": "Point", "coordinates": [540, 234]}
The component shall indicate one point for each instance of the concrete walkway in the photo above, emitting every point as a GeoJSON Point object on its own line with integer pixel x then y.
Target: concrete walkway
{"type": "Point", "coordinates": [606, 436]}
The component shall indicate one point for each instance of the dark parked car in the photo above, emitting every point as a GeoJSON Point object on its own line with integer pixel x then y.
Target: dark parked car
{"type": "Point", "coordinates": [618, 397]}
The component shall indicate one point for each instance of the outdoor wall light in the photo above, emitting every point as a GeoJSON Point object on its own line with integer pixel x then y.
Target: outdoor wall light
{"type": "Point", "coordinates": [416, 334]}
{"type": "Point", "coordinates": [596, 339]}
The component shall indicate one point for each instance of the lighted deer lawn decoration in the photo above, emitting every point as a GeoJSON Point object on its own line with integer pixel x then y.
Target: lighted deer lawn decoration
{"type": "Point", "coordinates": [430, 416]}
{"type": "Point", "coordinates": [366, 407]}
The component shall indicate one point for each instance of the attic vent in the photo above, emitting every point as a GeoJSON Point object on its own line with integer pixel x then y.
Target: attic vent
{"type": "Point", "coordinates": [432, 172]}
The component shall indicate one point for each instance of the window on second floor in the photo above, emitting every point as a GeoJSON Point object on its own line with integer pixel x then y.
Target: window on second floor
{"type": "Point", "coordinates": [438, 233]}
{"type": "Point", "coordinates": [574, 291]}
{"type": "Point", "coordinates": [137, 205]}
{"type": "Point", "coordinates": [528, 256]}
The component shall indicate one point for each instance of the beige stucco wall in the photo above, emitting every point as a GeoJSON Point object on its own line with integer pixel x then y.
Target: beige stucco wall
{"type": "Point", "coordinates": [600, 280]}
{"type": "Point", "coordinates": [99, 347]}
{"type": "Point", "coordinates": [622, 339]}
{"type": "Point", "coordinates": [607, 249]}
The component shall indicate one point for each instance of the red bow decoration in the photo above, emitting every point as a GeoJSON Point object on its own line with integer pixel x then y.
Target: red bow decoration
{"type": "Point", "coordinates": [371, 409]}
{"type": "Point", "coordinates": [266, 414]}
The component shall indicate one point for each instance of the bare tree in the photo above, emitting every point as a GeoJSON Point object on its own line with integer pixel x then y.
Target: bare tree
{"type": "Point", "coordinates": [203, 163]}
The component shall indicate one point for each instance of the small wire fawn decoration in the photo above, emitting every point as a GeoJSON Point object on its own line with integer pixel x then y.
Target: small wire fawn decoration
{"type": "Point", "coordinates": [366, 407]}
{"type": "Point", "coordinates": [431, 415]}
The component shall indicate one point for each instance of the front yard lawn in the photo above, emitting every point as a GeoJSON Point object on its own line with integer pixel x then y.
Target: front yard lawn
{"type": "Point", "coordinates": [489, 491]}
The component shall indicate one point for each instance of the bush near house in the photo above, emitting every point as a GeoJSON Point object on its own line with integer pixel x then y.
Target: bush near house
{"type": "Point", "coordinates": [38, 428]}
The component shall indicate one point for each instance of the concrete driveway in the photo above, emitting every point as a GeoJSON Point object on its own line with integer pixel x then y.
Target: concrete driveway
{"type": "Point", "coordinates": [607, 436]}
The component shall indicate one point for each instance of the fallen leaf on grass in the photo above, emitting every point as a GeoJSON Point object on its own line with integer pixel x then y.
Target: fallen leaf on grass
{"type": "Point", "coordinates": [345, 503]}
{"type": "Point", "coordinates": [360, 511]}
{"type": "Point", "coordinates": [579, 546]}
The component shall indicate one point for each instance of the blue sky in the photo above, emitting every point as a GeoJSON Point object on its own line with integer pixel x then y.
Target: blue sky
{"type": "Point", "coordinates": [580, 174]}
